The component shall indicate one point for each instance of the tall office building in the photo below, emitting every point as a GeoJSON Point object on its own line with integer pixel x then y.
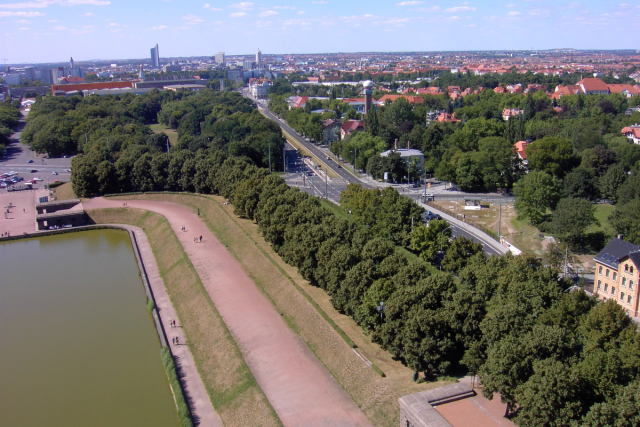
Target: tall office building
{"type": "Point", "coordinates": [258, 58]}
{"type": "Point", "coordinates": [72, 64]}
{"type": "Point", "coordinates": [219, 58]}
{"type": "Point", "coordinates": [155, 56]}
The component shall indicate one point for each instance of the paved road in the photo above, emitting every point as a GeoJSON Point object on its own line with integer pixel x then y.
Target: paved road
{"type": "Point", "coordinates": [458, 228]}
{"type": "Point", "coordinates": [298, 386]}
{"type": "Point", "coordinates": [21, 159]}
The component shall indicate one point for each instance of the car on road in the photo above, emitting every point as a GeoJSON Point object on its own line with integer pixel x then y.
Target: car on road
{"type": "Point", "coordinates": [54, 173]}
{"type": "Point", "coordinates": [30, 161]}
{"type": "Point", "coordinates": [428, 216]}
{"type": "Point", "coordinates": [34, 170]}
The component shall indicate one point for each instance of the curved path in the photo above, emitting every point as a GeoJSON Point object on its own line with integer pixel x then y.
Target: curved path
{"type": "Point", "coordinates": [298, 387]}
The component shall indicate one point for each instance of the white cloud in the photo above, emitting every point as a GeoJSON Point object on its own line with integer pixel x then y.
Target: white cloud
{"type": "Point", "coordinates": [244, 5]}
{"type": "Point", "coordinates": [24, 28]}
{"type": "Point", "coordinates": [319, 2]}
{"type": "Point", "coordinates": [41, 4]}
{"type": "Point", "coordinates": [457, 9]}
{"type": "Point", "coordinates": [238, 14]}
{"type": "Point", "coordinates": [4, 14]}
{"type": "Point", "coordinates": [514, 13]}
{"type": "Point", "coordinates": [285, 7]}
{"type": "Point", "coordinates": [159, 28]}
{"type": "Point", "coordinates": [211, 8]}
{"type": "Point", "coordinates": [192, 19]}
{"type": "Point", "coordinates": [267, 13]}
{"type": "Point", "coordinates": [88, 14]}
{"type": "Point", "coordinates": [60, 28]}
{"type": "Point", "coordinates": [87, 2]}
{"type": "Point", "coordinates": [113, 25]}
{"type": "Point", "coordinates": [409, 3]}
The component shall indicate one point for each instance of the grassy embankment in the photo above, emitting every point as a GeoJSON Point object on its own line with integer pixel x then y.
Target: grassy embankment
{"type": "Point", "coordinates": [308, 311]}
{"type": "Point", "coordinates": [64, 192]}
{"type": "Point", "coordinates": [171, 133]}
{"type": "Point", "coordinates": [231, 386]}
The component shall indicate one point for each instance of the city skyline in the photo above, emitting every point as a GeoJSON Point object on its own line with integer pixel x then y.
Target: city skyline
{"type": "Point", "coordinates": [52, 30]}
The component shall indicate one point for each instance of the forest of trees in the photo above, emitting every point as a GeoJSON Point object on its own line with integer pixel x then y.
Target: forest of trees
{"type": "Point", "coordinates": [557, 357]}
{"type": "Point", "coordinates": [9, 116]}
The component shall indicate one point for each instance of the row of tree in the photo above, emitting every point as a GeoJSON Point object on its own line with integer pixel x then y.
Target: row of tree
{"type": "Point", "coordinates": [555, 357]}
{"type": "Point", "coordinates": [9, 117]}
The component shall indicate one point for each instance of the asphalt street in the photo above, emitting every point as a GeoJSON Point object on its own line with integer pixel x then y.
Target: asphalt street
{"type": "Point", "coordinates": [28, 164]}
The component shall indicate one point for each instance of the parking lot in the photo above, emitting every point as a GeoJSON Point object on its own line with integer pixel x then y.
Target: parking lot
{"type": "Point", "coordinates": [21, 166]}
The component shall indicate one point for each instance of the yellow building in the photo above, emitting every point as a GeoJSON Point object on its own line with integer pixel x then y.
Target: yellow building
{"type": "Point", "coordinates": [617, 274]}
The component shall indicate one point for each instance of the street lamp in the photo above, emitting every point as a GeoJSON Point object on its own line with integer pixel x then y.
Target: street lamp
{"type": "Point", "coordinates": [380, 309]}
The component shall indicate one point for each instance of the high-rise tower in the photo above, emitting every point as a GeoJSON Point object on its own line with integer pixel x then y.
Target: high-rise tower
{"type": "Point", "coordinates": [258, 58]}
{"type": "Point", "coordinates": [367, 91]}
{"type": "Point", "coordinates": [155, 56]}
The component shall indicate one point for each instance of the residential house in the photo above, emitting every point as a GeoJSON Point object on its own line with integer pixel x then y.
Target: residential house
{"type": "Point", "coordinates": [617, 274]}
{"type": "Point", "coordinates": [350, 126]}
{"type": "Point", "coordinates": [507, 113]}
{"type": "Point", "coordinates": [625, 89]}
{"type": "Point", "coordinates": [408, 156]}
{"type": "Point", "coordinates": [593, 86]}
{"type": "Point", "coordinates": [330, 131]}
{"type": "Point", "coordinates": [297, 101]}
{"type": "Point", "coordinates": [632, 133]}
{"type": "Point", "coordinates": [521, 149]}
{"type": "Point", "coordinates": [447, 118]}
{"type": "Point", "coordinates": [392, 98]}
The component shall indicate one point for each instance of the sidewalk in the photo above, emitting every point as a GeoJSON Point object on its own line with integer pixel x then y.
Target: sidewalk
{"type": "Point", "coordinates": [195, 391]}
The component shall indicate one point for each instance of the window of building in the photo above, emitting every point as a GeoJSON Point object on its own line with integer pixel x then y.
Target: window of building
{"type": "Point", "coordinates": [630, 284]}
{"type": "Point", "coordinates": [606, 287]}
{"type": "Point", "coordinates": [613, 290]}
{"type": "Point", "coordinates": [599, 283]}
{"type": "Point", "coordinates": [622, 296]}
{"type": "Point", "coordinates": [624, 281]}
{"type": "Point", "coordinates": [600, 269]}
{"type": "Point", "coordinates": [606, 272]}
{"type": "Point", "coordinates": [631, 269]}
{"type": "Point", "coordinates": [615, 275]}
{"type": "Point", "coordinates": [626, 267]}
{"type": "Point", "coordinates": [628, 299]}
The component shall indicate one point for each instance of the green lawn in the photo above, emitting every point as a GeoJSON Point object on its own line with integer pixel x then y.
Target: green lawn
{"type": "Point", "coordinates": [171, 133]}
{"type": "Point", "coordinates": [602, 215]}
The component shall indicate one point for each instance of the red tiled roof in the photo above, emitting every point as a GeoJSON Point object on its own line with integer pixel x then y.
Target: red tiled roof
{"type": "Point", "coordinates": [446, 117]}
{"type": "Point", "coordinates": [91, 86]}
{"type": "Point", "coordinates": [593, 84]}
{"type": "Point", "coordinates": [410, 99]}
{"type": "Point", "coordinates": [521, 149]}
{"type": "Point", "coordinates": [631, 131]}
{"type": "Point", "coordinates": [350, 126]}
{"type": "Point", "coordinates": [620, 87]}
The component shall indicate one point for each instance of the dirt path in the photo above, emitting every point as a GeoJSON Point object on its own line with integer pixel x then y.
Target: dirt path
{"type": "Point", "coordinates": [196, 392]}
{"type": "Point", "coordinates": [298, 387]}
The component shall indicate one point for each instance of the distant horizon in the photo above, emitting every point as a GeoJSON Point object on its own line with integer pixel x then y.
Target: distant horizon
{"type": "Point", "coordinates": [37, 31]}
{"type": "Point", "coordinates": [386, 52]}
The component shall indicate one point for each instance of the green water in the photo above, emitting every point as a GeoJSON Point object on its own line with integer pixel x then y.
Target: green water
{"type": "Point", "coordinates": [77, 344]}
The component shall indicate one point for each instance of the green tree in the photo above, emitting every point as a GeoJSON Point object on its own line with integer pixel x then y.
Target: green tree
{"type": "Point", "coordinates": [536, 193]}
{"type": "Point", "coordinates": [580, 183]}
{"type": "Point", "coordinates": [611, 181]}
{"type": "Point", "coordinates": [625, 219]}
{"type": "Point", "coordinates": [550, 397]}
{"type": "Point", "coordinates": [459, 253]}
{"type": "Point", "coordinates": [430, 240]}
{"type": "Point", "coordinates": [570, 220]}
{"type": "Point", "coordinates": [553, 155]}
{"type": "Point", "coordinates": [622, 410]}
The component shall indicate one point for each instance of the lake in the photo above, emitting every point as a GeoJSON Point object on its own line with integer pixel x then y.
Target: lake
{"type": "Point", "coordinates": [78, 346]}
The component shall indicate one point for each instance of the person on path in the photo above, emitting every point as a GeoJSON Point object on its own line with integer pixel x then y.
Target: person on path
{"type": "Point", "coordinates": [201, 238]}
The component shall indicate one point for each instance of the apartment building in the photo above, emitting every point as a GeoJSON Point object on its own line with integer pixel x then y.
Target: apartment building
{"type": "Point", "coordinates": [617, 274]}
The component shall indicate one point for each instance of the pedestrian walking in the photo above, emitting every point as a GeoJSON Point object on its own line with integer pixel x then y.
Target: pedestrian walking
{"type": "Point", "coordinates": [201, 238]}
{"type": "Point", "coordinates": [177, 340]}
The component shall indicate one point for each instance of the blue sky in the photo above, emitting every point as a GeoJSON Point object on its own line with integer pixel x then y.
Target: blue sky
{"type": "Point", "coordinates": [54, 30]}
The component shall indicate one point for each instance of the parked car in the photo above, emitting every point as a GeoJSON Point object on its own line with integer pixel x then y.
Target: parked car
{"type": "Point", "coordinates": [30, 161]}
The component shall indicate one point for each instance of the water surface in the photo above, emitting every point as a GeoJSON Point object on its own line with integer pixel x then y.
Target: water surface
{"type": "Point", "coordinates": [77, 343]}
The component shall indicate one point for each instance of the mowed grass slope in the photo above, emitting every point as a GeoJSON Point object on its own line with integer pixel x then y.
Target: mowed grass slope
{"type": "Point", "coordinates": [308, 311]}
{"type": "Point", "coordinates": [230, 384]}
